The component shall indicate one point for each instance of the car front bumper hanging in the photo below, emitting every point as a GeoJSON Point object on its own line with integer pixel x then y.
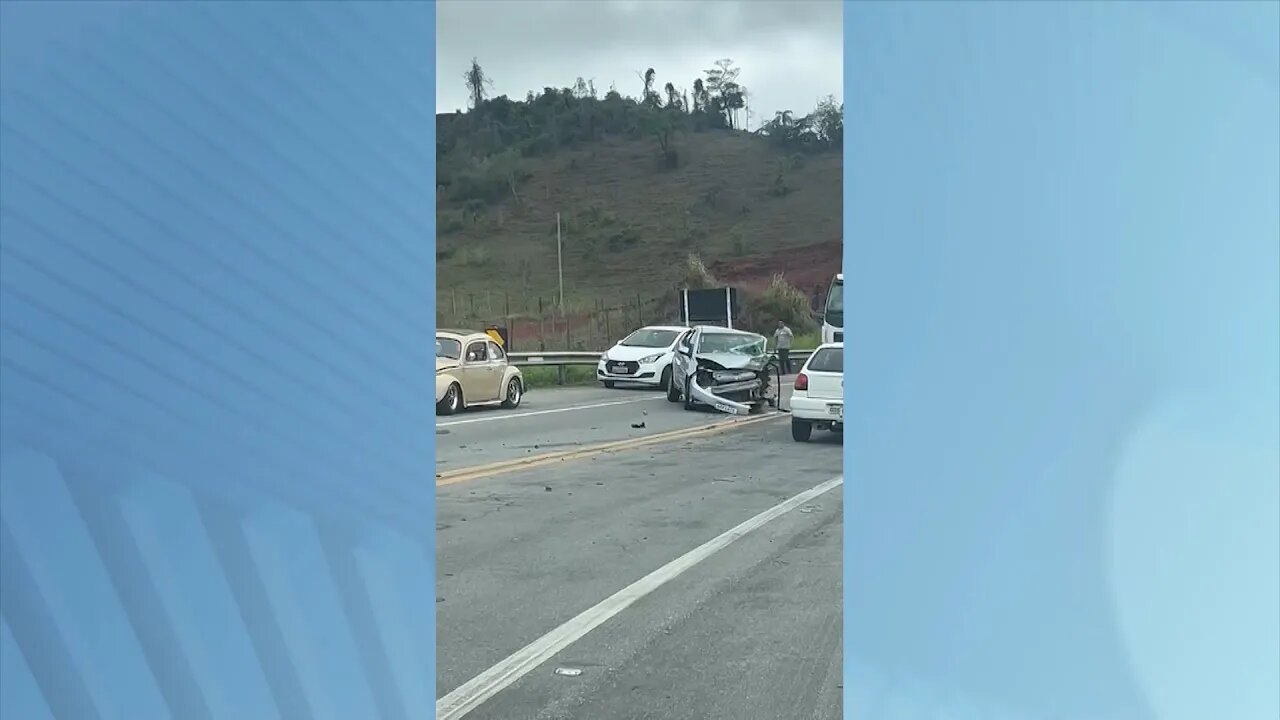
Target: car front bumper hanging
{"type": "Point", "coordinates": [727, 382]}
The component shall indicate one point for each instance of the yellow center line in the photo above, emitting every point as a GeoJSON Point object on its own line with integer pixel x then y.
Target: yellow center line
{"type": "Point", "coordinates": [453, 477]}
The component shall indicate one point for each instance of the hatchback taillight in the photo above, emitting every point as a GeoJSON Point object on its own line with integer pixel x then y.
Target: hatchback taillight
{"type": "Point", "coordinates": [802, 382]}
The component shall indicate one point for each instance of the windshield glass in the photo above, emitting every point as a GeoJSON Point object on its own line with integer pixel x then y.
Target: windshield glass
{"type": "Point", "coordinates": [835, 298]}
{"type": "Point", "coordinates": [448, 348]}
{"type": "Point", "coordinates": [731, 343]}
{"type": "Point", "coordinates": [650, 338]}
{"type": "Point", "coordinates": [828, 360]}
{"type": "Point", "coordinates": [834, 315]}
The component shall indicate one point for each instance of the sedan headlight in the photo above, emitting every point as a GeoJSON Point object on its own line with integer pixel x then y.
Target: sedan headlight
{"type": "Point", "coordinates": [651, 359]}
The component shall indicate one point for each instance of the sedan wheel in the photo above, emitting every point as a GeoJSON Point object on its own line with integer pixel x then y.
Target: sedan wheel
{"type": "Point", "coordinates": [451, 402]}
{"type": "Point", "coordinates": [515, 393]}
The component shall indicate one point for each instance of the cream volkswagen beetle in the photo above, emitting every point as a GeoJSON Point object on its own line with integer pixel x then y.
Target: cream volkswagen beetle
{"type": "Point", "coordinates": [472, 369]}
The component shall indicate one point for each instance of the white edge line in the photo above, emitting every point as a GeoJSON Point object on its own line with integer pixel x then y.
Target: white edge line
{"type": "Point", "coordinates": [517, 416]}
{"type": "Point", "coordinates": [476, 691]}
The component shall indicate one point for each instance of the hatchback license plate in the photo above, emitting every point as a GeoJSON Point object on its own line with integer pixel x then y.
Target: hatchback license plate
{"type": "Point", "coordinates": [835, 409]}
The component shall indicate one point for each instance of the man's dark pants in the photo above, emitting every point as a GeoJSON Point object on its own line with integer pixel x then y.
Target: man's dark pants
{"type": "Point", "coordinates": [784, 360]}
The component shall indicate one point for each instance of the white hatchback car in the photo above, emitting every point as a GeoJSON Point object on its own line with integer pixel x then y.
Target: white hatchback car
{"type": "Point", "coordinates": [641, 358]}
{"type": "Point", "coordinates": [818, 397]}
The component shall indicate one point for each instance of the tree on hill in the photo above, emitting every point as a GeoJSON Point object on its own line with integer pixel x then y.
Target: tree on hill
{"type": "Point", "coordinates": [823, 129]}
{"type": "Point", "coordinates": [566, 117]}
{"type": "Point", "coordinates": [724, 94]}
{"type": "Point", "coordinates": [477, 83]}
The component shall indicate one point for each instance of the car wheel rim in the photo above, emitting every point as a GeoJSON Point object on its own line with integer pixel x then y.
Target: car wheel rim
{"type": "Point", "coordinates": [453, 398]}
{"type": "Point", "coordinates": [513, 392]}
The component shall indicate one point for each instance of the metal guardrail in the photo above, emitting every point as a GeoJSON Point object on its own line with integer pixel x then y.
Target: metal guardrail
{"type": "Point", "coordinates": [553, 358]}
{"type": "Point", "coordinates": [559, 358]}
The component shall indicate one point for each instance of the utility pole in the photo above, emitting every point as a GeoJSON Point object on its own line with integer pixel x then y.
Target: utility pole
{"type": "Point", "coordinates": [560, 263]}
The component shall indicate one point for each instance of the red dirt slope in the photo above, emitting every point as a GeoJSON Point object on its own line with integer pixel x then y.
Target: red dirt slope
{"type": "Point", "coordinates": [807, 267]}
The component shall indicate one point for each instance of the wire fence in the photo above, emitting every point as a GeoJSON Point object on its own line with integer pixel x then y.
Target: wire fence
{"type": "Point", "coordinates": [535, 323]}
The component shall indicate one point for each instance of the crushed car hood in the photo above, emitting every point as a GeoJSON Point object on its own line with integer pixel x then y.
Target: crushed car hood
{"type": "Point", "coordinates": [734, 361]}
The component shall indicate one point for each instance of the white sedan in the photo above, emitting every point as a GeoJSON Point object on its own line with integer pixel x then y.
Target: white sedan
{"type": "Point", "coordinates": [818, 397]}
{"type": "Point", "coordinates": [641, 358]}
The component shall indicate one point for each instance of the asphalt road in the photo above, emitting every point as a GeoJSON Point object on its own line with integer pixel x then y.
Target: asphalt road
{"type": "Point", "coordinates": [745, 630]}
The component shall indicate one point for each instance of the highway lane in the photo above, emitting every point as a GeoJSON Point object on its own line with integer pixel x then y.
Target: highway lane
{"type": "Point", "coordinates": [559, 420]}
{"type": "Point", "coordinates": [750, 631]}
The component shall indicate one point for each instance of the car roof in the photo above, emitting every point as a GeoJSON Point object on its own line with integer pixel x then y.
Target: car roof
{"type": "Point", "coordinates": [671, 328]}
{"type": "Point", "coordinates": [833, 345]}
{"type": "Point", "coordinates": [462, 334]}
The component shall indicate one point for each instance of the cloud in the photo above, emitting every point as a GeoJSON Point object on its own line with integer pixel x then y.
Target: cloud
{"type": "Point", "coordinates": [791, 53]}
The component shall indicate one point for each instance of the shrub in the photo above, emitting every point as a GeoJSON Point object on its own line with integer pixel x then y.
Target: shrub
{"type": "Point", "coordinates": [781, 301]}
{"type": "Point", "coordinates": [450, 221]}
{"type": "Point", "coordinates": [696, 276]}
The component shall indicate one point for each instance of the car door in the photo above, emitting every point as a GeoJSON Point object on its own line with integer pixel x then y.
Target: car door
{"type": "Point", "coordinates": [682, 363]}
{"type": "Point", "coordinates": [476, 373]}
{"type": "Point", "coordinates": [498, 368]}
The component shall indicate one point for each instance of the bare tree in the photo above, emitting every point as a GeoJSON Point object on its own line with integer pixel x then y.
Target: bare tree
{"type": "Point", "coordinates": [649, 97]}
{"type": "Point", "coordinates": [673, 97]}
{"type": "Point", "coordinates": [700, 99]}
{"type": "Point", "coordinates": [478, 83]}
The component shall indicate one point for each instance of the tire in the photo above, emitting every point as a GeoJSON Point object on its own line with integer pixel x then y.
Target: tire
{"type": "Point", "coordinates": [801, 430]}
{"type": "Point", "coordinates": [609, 384]}
{"type": "Point", "coordinates": [451, 402]}
{"type": "Point", "coordinates": [515, 393]}
{"type": "Point", "coordinates": [673, 392]}
{"type": "Point", "coordinates": [666, 379]}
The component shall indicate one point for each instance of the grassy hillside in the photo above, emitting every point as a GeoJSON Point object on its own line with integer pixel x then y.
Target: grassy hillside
{"type": "Point", "coordinates": [638, 186]}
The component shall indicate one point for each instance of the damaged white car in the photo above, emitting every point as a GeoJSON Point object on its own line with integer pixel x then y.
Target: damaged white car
{"type": "Point", "coordinates": [729, 370]}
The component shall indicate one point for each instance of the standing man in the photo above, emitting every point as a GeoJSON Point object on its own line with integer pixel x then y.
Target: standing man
{"type": "Point", "coordinates": [782, 338]}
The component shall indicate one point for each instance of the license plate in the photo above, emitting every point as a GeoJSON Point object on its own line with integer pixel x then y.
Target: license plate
{"type": "Point", "coordinates": [618, 368]}
{"type": "Point", "coordinates": [837, 410]}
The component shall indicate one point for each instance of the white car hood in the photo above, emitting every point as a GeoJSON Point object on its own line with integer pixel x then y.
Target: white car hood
{"type": "Point", "coordinates": [627, 353]}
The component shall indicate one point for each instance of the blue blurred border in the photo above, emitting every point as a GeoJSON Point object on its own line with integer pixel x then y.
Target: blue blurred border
{"type": "Point", "coordinates": [216, 300]}
{"type": "Point", "coordinates": [1062, 248]}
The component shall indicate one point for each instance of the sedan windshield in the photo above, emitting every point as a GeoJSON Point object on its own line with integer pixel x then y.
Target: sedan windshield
{"type": "Point", "coordinates": [448, 348]}
{"type": "Point", "coordinates": [650, 338]}
{"type": "Point", "coordinates": [732, 343]}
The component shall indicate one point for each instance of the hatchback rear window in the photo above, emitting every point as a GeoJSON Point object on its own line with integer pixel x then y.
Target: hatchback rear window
{"type": "Point", "coordinates": [828, 360]}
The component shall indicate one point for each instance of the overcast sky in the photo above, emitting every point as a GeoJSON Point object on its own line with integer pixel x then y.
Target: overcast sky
{"type": "Point", "coordinates": [791, 52]}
